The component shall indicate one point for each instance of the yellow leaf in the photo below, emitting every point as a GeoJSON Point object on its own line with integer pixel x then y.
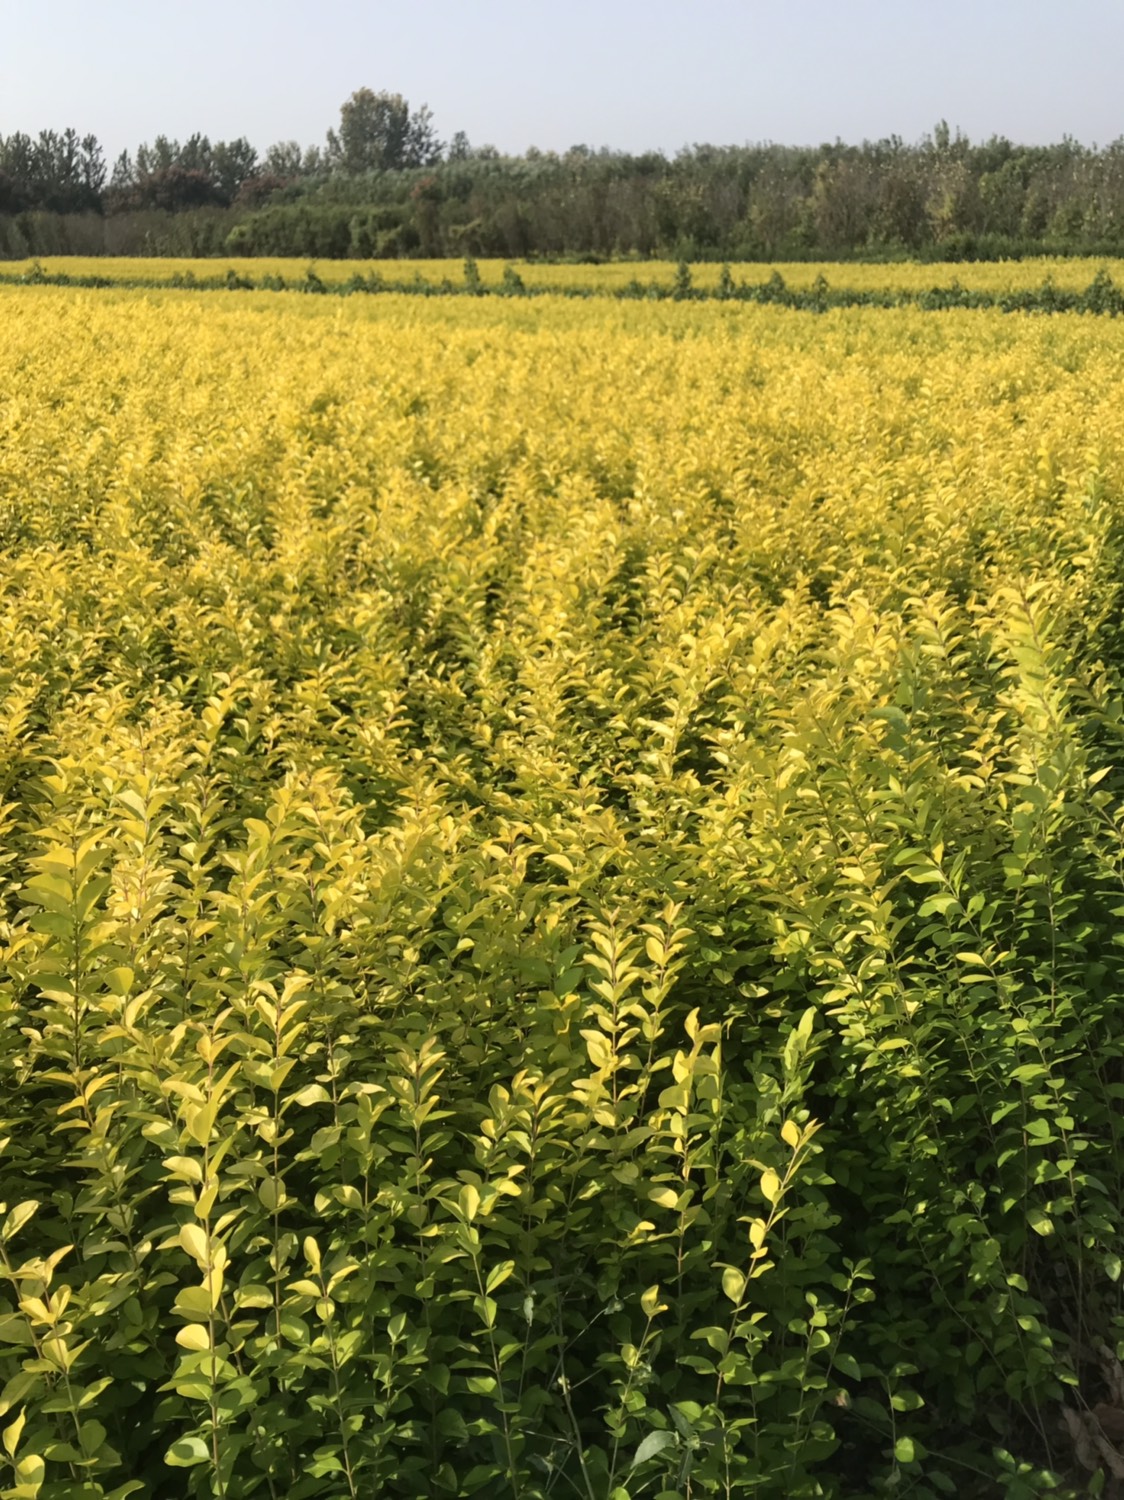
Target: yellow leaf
{"type": "Point", "coordinates": [650, 1302]}
{"type": "Point", "coordinates": [770, 1185]}
{"type": "Point", "coordinates": [31, 1471]}
{"type": "Point", "coordinates": [733, 1283]}
{"type": "Point", "coordinates": [194, 1241]}
{"type": "Point", "coordinates": [195, 1336]}
{"type": "Point", "coordinates": [186, 1168]}
{"type": "Point", "coordinates": [12, 1433]}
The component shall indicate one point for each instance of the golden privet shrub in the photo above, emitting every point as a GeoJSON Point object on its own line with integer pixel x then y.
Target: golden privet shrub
{"type": "Point", "coordinates": [561, 877]}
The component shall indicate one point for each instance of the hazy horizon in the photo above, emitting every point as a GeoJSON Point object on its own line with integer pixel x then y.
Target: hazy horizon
{"type": "Point", "coordinates": [630, 76]}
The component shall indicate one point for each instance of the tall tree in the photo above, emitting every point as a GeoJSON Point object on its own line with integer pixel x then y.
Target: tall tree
{"type": "Point", "coordinates": [284, 159]}
{"type": "Point", "coordinates": [232, 164]}
{"type": "Point", "coordinates": [124, 173]}
{"type": "Point", "coordinates": [377, 132]}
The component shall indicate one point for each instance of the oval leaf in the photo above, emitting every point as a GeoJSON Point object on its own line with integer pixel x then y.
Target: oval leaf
{"type": "Point", "coordinates": [187, 1452]}
{"type": "Point", "coordinates": [653, 1444]}
{"type": "Point", "coordinates": [195, 1336]}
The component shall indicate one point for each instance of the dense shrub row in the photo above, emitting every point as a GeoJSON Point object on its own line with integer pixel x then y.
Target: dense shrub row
{"type": "Point", "coordinates": [1101, 296]}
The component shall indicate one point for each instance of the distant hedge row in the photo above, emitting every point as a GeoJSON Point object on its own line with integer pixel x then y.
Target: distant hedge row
{"type": "Point", "coordinates": [1101, 297]}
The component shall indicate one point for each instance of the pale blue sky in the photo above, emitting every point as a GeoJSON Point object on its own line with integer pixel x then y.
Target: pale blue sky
{"type": "Point", "coordinates": [516, 73]}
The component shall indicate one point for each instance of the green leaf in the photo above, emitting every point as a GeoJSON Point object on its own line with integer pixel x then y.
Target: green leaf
{"type": "Point", "coordinates": [1040, 1221]}
{"type": "Point", "coordinates": [904, 1450]}
{"type": "Point", "coordinates": [271, 1193]}
{"type": "Point", "coordinates": [451, 1425]}
{"type": "Point", "coordinates": [653, 1445]}
{"type": "Point", "coordinates": [907, 1400]}
{"type": "Point", "coordinates": [313, 1093]}
{"type": "Point", "coordinates": [498, 1275]}
{"type": "Point", "coordinates": [685, 1414]}
{"type": "Point", "coordinates": [186, 1452]}
{"type": "Point", "coordinates": [194, 1303]}
{"type": "Point", "coordinates": [93, 1436]}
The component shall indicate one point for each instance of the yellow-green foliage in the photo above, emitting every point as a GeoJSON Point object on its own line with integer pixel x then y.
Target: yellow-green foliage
{"type": "Point", "coordinates": [561, 868]}
{"type": "Point", "coordinates": [1071, 274]}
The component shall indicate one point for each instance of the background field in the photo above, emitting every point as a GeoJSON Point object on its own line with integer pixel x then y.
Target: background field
{"type": "Point", "coordinates": [561, 880]}
{"type": "Point", "coordinates": [1071, 273]}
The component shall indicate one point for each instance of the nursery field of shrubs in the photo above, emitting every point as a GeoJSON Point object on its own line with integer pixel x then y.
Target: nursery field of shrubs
{"type": "Point", "coordinates": [562, 884]}
{"type": "Point", "coordinates": [1038, 284]}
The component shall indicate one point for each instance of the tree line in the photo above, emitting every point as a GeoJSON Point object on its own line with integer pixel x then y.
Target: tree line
{"type": "Point", "coordinates": [384, 185]}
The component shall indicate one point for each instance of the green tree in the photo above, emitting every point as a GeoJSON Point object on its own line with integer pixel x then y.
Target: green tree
{"type": "Point", "coordinates": [284, 159]}
{"type": "Point", "coordinates": [232, 163]}
{"type": "Point", "coordinates": [377, 132]}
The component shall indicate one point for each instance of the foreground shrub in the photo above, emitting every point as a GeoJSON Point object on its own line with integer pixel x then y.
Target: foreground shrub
{"type": "Point", "coordinates": [561, 873]}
